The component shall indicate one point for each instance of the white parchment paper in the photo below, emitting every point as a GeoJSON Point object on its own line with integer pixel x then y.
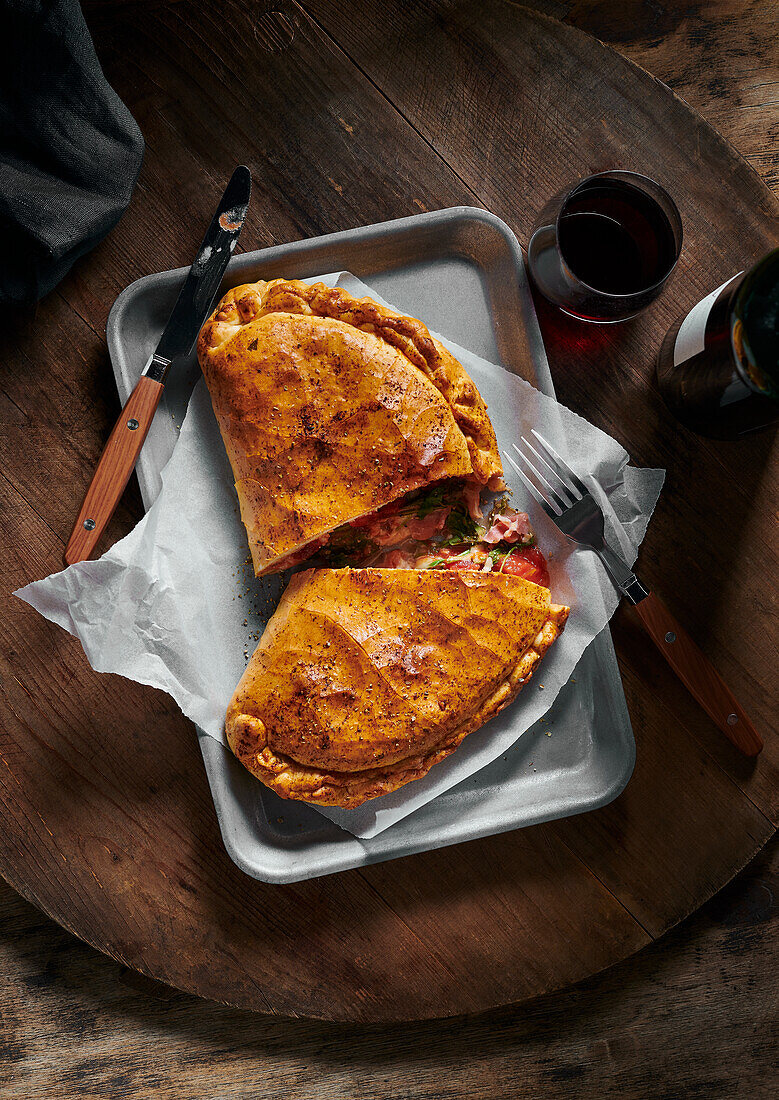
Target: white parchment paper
{"type": "Point", "coordinates": [175, 604]}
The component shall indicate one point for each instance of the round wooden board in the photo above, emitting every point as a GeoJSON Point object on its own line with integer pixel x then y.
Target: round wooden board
{"type": "Point", "coordinates": [108, 824]}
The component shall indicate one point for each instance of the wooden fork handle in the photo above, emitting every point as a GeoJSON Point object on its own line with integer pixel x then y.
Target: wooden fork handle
{"type": "Point", "coordinates": [698, 674]}
{"type": "Point", "coordinates": [113, 471]}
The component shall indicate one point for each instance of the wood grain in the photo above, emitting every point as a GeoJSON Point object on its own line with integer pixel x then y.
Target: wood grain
{"type": "Point", "coordinates": [114, 469]}
{"type": "Point", "coordinates": [720, 56]}
{"type": "Point", "coordinates": [694, 1015]}
{"type": "Point", "coordinates": [108, 824]}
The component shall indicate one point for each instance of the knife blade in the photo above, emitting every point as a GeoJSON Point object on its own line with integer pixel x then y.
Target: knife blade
{"type": "Point", "coordinates": [192, 307]}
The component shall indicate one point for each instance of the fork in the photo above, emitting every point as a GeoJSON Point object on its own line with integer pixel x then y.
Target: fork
{"type": "Point", "coordinates": [569, 504]}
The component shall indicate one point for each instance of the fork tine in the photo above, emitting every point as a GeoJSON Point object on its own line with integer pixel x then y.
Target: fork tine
{"type": "Point", "coordinates": [560, 501]}
{"type": "Point", "coordinates": [569, 492]}
{"type": "Point", "coordinates": [550, 511]}
{"type": "Point", "coordinates": [562, 466]}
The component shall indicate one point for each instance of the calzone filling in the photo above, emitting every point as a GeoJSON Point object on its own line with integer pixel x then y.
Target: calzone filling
{"type": "Point", "coordinates": [441, 527]}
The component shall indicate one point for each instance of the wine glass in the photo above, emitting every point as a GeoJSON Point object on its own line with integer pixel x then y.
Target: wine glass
{"type": "Point", "coordinates": [604, 249]}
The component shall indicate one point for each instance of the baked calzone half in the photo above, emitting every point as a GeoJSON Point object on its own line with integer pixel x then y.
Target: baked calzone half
{"type": "Point", "coordinates": [366, 678]}
{"type": "Point", "coordinates": [332, 409]}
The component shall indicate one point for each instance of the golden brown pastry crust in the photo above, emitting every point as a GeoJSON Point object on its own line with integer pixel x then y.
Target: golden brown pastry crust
{"type": "Point", "coordinates": [364, 679]}
{"type": "Point", "coordinates": [332, 407]}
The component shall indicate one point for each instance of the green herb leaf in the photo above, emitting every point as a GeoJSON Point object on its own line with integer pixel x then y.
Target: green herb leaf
{"type": "Point", "coordinates": [348, 538]}
{"type": "Point", "coordinates": [461, 527]}
{"type": "Point", "coordinates": [432, 500]}
{"type": "Point", "coordinates": [436, 563]}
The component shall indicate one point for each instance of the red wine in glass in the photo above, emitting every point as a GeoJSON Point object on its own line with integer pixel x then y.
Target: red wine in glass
{"type": "Point", "coordinates": [604, 250]}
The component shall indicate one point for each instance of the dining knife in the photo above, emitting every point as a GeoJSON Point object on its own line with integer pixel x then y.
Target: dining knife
{"type": "Point", "coordinates": [192, 307]}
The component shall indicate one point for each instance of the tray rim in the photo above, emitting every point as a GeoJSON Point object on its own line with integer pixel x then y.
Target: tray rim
{"type": "Point", "coordinates": [383, 230]}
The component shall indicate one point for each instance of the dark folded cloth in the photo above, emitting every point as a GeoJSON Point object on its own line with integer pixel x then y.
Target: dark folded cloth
{"type": "Point", "coordinates": [70, 151]}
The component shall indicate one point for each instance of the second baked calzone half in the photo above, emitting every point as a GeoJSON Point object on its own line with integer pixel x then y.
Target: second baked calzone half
{"type": "Point", "coordinates": [366, 678]}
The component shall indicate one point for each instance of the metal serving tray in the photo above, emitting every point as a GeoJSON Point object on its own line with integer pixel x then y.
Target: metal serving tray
{"type": "Point", "coordinates": [462, 272]}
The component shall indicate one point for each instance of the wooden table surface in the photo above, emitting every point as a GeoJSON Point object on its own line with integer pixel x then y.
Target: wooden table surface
{"type": "Point", "coordinates": [692, 1015]}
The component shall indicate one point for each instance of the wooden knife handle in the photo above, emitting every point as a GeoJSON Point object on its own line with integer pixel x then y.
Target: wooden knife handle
{"type": "Point", "coordinates": [698, 674]}
{"type": "Point", "coordinates": [113, 471]}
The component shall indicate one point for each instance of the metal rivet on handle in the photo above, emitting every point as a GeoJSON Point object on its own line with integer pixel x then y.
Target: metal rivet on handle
{"type": "Point", "coordinates": [670, 637]}
{"type": "Point", "coordinates": [89, 525]}
{"type": "Point", "coordinates": [133, 424]}
{"type": "Point", "coordinates": [732, 719]}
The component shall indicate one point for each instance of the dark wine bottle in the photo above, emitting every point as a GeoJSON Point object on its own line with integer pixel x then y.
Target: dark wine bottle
{"type": "Point", "coordinates": [718, 369]}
